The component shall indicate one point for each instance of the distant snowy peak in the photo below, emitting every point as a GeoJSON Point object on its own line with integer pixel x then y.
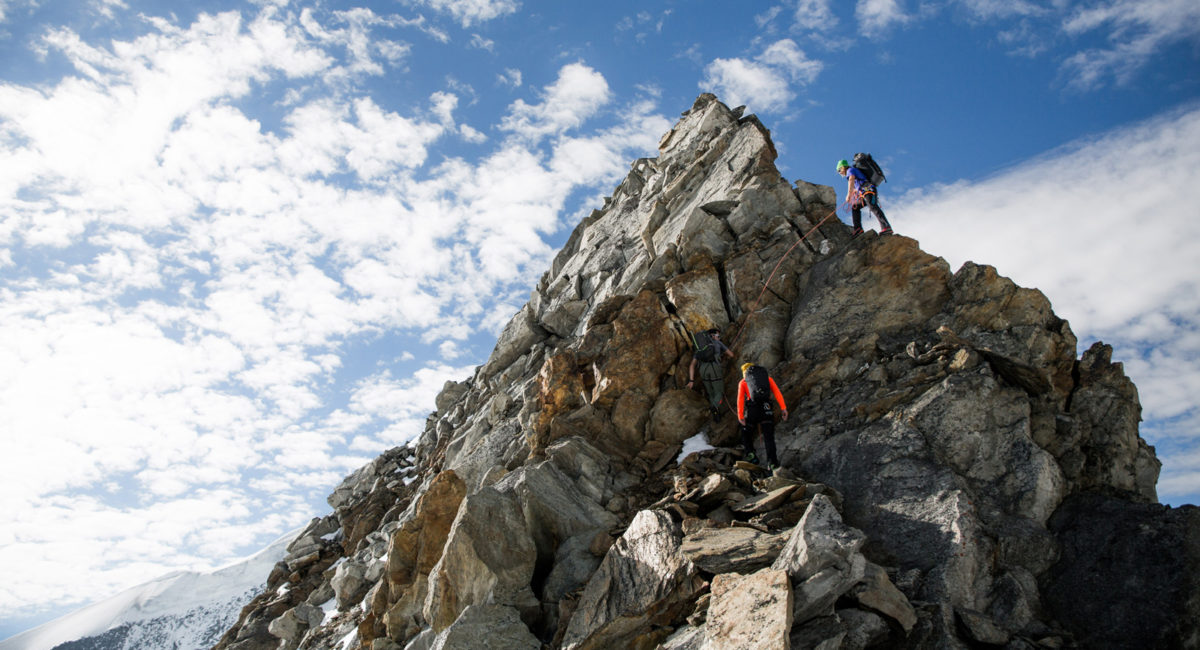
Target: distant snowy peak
{"type": "Point", "coordinates": [179, 611]}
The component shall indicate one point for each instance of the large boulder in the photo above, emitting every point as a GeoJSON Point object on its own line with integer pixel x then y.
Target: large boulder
{"type": "Point", "coordinates": [697, 298]}
{"type": "Point", "coordinates": [848, 301]}
{"type": "Point", "coordinates": [643, 581]}
{"type": "Point", "coordinates": [488, 559]}
{"type": "Point", "coordinates": [414, 549]}
{"type": "Point", "coordinates": [1129, 576]}
{"type": "Point", "coordinates": [554, 508]}
{"type": "Point", "coordinates": [819, 541]}
{"type": "Point", "coordinates": [732, 550]}
{"type": "Point", "coordinates": [1098, 443]}
{"type": "Point", "coordinates": [517, 338]}
{"type": "Point", "coordinates": [642, 349]}
{"type": "Point", "coordinates": [753, 611]}
{"type": "Point", "coordinates": [487, 627]}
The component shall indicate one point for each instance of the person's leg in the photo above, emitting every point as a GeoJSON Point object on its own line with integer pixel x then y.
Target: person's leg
{"type": "Point", "coordinates": [748, 439]}
{"type": "Point", "coordinates": [768, 434]}
{"type": "Point", "coordinates": [873, 203]}
{"type": "Point", "coordinates": [856, 217]}
{"type": "Point", "coordinates": [714, 382]}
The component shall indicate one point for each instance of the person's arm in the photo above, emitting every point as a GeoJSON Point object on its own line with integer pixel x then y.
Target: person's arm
{"type": "Point", "coordinates": [778, 397]}
{"type": "Point", "coordinates": [742, 390]}
{"type": "Point", "coordinates": [849, 187]}
{"type": "Point", "coordinates": [692, 373]}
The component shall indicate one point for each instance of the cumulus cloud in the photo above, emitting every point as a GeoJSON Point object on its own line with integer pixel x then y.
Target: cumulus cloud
{"type": "Point", "coordinates": [815, 15]}
{"type": "Point", "coordinates": [876, 17]}
{"type": "Point", "coordinates": [764, 83]}
{"type": "Point", "coordinates": [186, 291]}
{"type": "Point", "coordinates": [1111, 198]}
{"type": "Point", "coordinates": [577, 94]}
{"type": "Point", "coordinates": [470, 12]}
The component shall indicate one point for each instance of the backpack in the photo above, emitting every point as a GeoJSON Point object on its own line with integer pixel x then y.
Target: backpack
{"type": "Point", "coordinates": [758, 382]}
{"type": "Point", "coordinates": [705, 350]}
{"type": "Point", "coordinates": [867, 165]}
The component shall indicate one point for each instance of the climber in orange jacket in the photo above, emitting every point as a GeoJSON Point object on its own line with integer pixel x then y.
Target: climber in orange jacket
{"type": "Point", "coordinates": [754, 411]}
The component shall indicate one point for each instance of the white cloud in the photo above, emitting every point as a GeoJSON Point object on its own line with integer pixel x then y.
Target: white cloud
{"type": "Point", "coordinates": [1137, 30]}
{"type": "Point", "coordinates": [785, 55]}
{"type": "Point", "coordinates": [1097, 226]}
{"type": "Point", "coordinates": [815, 15]}
{"type": "Point", "coordinates": [876, 17]}
{"type": "Point", "coordinates": [482, 43]}
{"type": "Point", "coordinates": [471, 135]}
{"type": "Point", "coordinates": [510, 77]}
{"type": "Point", "coordinates": [470, 12]}
{"type": "Point", "coordinates": [645, 23]}
{"type": "Point", "coordinates": [577, 94]}
{"type": "Point", "coordinates": [357, 39]}
{"type": "Point", "coordinates": [765, 83]}
{"type": "Point", "coordinates": [208, 279]}
{"type": "Point", "coordinates": [1130, 33]}
{"type": "Point", "coordinates": [410, 399]}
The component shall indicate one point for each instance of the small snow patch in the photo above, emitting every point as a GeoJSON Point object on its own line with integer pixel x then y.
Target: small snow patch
{"type": "Point", "coordinates": [692, 445]}
{"type": "Point", "coordinates": [330, 609]}
{"type": "Point", "coordinates": [348, 639]}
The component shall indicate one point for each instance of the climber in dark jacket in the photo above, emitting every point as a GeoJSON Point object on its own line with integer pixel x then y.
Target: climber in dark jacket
{"type": "Point", "coordinates": [754, 411]}
{"type": "Point", "coordinates": [711, 372]}
{"type": "Point", "coordinates": [860, 192]}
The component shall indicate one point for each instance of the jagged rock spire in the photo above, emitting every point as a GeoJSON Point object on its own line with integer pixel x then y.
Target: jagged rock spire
{"type": "Point", "coordinates": [940, 420]}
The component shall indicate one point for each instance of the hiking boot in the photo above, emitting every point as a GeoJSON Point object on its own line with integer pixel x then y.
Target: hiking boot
{"type": "Point", "coordinates": [772, 466]}
{"type": "Point", "coordinates": [886, 231]}
{"type": "Point", "coordinates": [751, 458]}
{"type": "Point", "coordinates": [856, 233]}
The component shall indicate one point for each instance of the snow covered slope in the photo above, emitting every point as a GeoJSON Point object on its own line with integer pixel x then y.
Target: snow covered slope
{"type": "Point", "coordinates": [179, 611]}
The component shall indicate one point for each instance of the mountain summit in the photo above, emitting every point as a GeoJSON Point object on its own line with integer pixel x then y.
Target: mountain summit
{"type": "Point", "coordinates": [952, 473]}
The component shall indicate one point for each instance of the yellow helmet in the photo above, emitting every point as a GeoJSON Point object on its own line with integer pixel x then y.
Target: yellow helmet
{"type": "Point", "coordinates": [745, 367]}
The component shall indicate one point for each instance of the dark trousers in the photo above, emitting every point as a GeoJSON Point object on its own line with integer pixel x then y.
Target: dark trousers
{"type": "Point", "coordinates": [872, 202]}
{"type": "Point", "coordinates": [765, 423]}
{"type": "Point", "coordinates": [714, 382]}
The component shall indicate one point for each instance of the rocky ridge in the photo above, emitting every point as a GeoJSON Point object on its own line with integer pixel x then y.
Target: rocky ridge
{"type": "Point", "coordinates": [954, 476]}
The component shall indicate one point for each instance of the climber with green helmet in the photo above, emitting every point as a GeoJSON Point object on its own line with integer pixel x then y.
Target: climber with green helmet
{"type": "Point", "coordinates": [860, 191]}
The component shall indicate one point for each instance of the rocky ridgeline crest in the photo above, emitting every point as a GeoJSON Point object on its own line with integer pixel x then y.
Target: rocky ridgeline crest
{"type": "Point", "coordinates": [953, 475]}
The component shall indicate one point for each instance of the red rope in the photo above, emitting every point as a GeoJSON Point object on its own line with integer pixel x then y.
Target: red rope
{"type": "Point", "coordinates": [767, 284]}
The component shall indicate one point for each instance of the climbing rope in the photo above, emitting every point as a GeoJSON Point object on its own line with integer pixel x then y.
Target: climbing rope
{"type": "Point", "coordinates": [767, 284]}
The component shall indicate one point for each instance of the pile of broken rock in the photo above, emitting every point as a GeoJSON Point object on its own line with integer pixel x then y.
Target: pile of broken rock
{"type": "Point", "coordinates": [762, 559]}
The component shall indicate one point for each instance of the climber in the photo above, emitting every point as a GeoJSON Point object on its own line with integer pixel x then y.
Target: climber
{"type": "Point", "coordinates": [859, 192]}
{"type": "Point", "coordinates": [754, 411]}
{"type": "Point", "coordinates": [707, 355]}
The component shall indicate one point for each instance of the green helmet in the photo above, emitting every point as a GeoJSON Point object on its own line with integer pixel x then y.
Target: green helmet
{"type": "Point", "coordinates": [842, 164]}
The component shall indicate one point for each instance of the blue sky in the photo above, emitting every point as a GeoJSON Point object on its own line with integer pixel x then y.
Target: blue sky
{"type": "Point", "coordinates": [243, 244]}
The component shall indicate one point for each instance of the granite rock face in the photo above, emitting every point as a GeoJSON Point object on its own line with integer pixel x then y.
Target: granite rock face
{"type": "Point", "coordinates": [953, 473]}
